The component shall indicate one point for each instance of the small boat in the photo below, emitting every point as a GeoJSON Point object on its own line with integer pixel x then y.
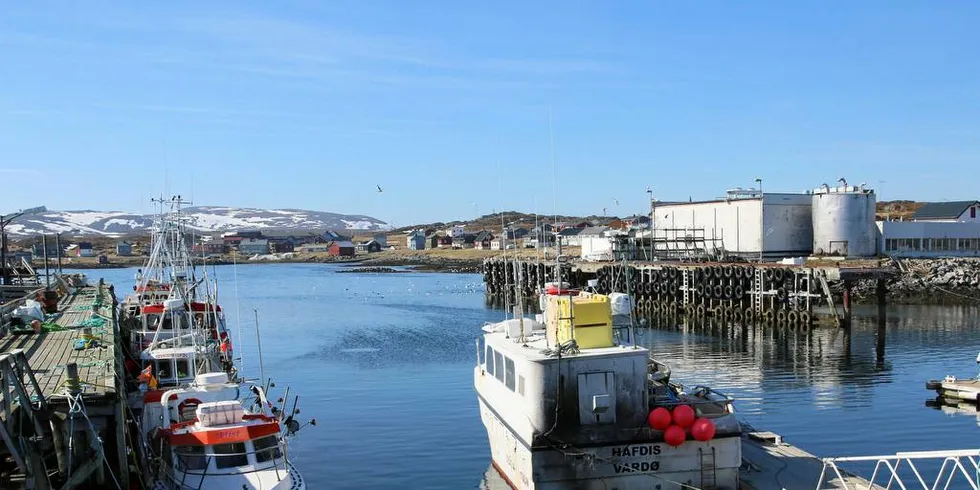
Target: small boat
{"type": "Point", "coordinates": [203, 436]}
{"type": "Point", "coordinates": [568, 405]}
{"type": "Point", "coordinates": [951, 387]}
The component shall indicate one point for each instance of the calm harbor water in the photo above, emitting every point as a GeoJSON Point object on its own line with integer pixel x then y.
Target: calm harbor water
{"type": "Point", "coordinates": [384, 363]}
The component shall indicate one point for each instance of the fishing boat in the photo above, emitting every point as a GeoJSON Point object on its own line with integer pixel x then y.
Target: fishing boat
{"type": "Point", "coordinates": [568, 404]}
{"type": "Point", "coordinates": [206, 435]}
{"type": "Point", "coordinates": [954, 388]}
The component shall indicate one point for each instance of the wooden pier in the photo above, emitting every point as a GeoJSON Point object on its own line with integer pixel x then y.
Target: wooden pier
{"type": "Point", "coordinates": [740, 292]}
{"type": "Point", "coordinates": [61, 401]}
{"type": "Point", "coordinates": [772, 464]}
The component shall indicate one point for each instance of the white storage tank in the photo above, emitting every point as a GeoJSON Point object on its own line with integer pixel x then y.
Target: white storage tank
{"type": "Point", "coordinates": [844, 221]}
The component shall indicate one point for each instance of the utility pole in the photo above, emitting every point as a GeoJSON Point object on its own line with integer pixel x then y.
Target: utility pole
{"type": "Point", "coordinates": [650, 227]}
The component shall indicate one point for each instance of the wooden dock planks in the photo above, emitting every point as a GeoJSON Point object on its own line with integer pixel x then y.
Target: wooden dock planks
{"type": "Point", "coordinates": [50, 352]}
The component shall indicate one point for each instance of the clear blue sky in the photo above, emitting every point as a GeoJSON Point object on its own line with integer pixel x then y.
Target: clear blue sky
{"type": "Point", "coordinates": [446, 104]}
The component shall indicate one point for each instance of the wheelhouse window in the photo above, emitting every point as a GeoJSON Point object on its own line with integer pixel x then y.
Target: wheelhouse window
{"type": "Point", "coordinates": [488, 360]}
{"type": "Point", "coordinates": [498, 361]}
{"type": "Point", "coordinates": [183, 368]}
{"type": "Point", "coordinates": [509, 374]}
{"type": "Point", "coordinates": [266, 449]}
{"type": "Point", "coordinates": [164, 370]}
{"type": "Point", "coordinates": [230, 455]}
{"type": "Point", "coordinates": [191, 457]}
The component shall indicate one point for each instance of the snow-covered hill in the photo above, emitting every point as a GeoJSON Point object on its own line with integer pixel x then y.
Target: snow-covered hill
{"type": "Point", "coordinates": [201, 218]}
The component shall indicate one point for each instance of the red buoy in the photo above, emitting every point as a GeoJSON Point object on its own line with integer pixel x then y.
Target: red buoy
{"type": "Point", "coordinates": [703, 429]}
{"type": "Point", "coordinates": [674, 436]}
{"type": "Point", "coordinates": [684, 416]}
{"type": "Point", "coordinates": [659, 418]}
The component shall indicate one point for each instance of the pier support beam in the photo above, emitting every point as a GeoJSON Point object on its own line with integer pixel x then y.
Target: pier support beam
{"type": "Point", "coordinates": [846, 321]}
{"type": "Point", "coordinates": [880, 293]}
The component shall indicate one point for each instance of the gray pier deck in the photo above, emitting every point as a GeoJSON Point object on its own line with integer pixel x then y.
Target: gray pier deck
{"type": "Point", "coordinates": [772, 465]}
{"type": "Point", "coordinates": [49, 378]}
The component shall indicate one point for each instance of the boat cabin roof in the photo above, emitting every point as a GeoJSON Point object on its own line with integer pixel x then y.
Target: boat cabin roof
{"type": "Point", "coordinates": [171, 352]}
{"type": "Point", "coordinates": [533, 349]}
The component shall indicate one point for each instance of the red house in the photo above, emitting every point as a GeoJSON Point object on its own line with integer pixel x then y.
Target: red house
{"type": "Point", "coordinates": [341, 249]}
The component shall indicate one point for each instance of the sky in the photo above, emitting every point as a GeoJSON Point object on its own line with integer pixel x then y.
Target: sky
{"type": "Point", "coordinates": [458, 109]}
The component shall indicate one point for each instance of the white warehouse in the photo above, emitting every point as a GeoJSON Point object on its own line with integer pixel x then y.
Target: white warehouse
{"type": "Point", "coordinates": [736, 223]}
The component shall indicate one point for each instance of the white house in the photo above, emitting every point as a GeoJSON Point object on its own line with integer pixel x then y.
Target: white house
{"type": "Point", "coordinates": [949, 212]}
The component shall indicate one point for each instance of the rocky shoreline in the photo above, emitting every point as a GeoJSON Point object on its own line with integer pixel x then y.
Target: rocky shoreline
{"type": "Point", "coordinates": [928, 281]}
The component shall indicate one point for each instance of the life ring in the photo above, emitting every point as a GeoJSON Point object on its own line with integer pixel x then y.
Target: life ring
{"type": "Point", "coordinates": [805, 318]}
{"type": "Point", "coordinates": [187, 403]}
{"type": "Point", "coordinates": [792, 316]}
{"type": "Point", "coordinates": [781, 316]}
{"type": "Point", "coordinates": [749, 314]}
{"type": "Point", "coordinates": [700, 310]}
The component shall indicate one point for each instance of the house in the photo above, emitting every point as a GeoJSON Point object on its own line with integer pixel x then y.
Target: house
{"type": "Point", "coordinates": [369, 246]}
{"type": "Point", "coordinates": [516, 233]}
{"type": "Point", "coordinates": [210, 248]}
{"type": "Point", "coordinates": [483, 240]}
{"type": "Point", "coordinates": [951, 211]}
{"type": "Point", "coordinates": [279, 246]}
{"type": "Point", "coordinates": [416, 240]}
{"type": "Point", "coordinates": [443, 241]}
{"type": "Point", "coordinates": [295, 238]}
{"type": "Point", "coordinates": [464, 241]}
{"type": "Point", "coordinates": [85, 249]}
{"type": "Point", "coordinates": [382, 239]}
{"type": "Point", "coordinates": [501, 243]}
{"type": "Point", "coordinates": [569, 237]}
{"type": "Point", "coordinates": [124, 249]}
{"type": "Point", "coordinates": [341, 249]}
{"type": "Point", "coordinates": [38, 249]}
{"type": "Point", "coordinates": [252, 246]}
{"type": "Point", "coordinates": [540, 236]}
{"type": "Point", "coordinates": [333, 236]}
{"type": "Point", "coordinates": [313, 248]}
{"type": "Point", "coordinates": [456, 231]}
{"type": "Point", "coordinates": [432, 241]}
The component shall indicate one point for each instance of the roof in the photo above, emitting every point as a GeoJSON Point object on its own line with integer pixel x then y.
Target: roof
{"type": "Point", "coordinates": [417, 233]}
{"type": "Point", "coordinates": [343, 244]}
{"type": "Point", "coordinates": [368, 242]}
{"type": "Point", "coordinates": [594, 230]}
{"type": "Point", "coordinates": [943, 210]}
{"type": "Point", "coordinates": [571, 231]}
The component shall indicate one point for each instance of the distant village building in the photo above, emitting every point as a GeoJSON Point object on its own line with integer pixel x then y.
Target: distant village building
{"type": "Point", "coordinates": [382, 239]}
{"type": "Point", "coordinates": [937, 229]}
{"type": "Point", "coordinates": [464, 241]}
{"type": "Point", "coordinates": [342, 249]}
{"type": "Point", "coordinates": [124, 248]}
{"type": "Point", "coordinates": [210, 248]}
{"type": "Point", "coordinates": [483, 240]}
{"type": "Point", "coordinates": [85, 249]}
{"type": "Point", "coordinates": [279, 246]}
{"type": "Point", "coordinates": [253, 246]}
{"type": "Point", "coordinates": [38, 249]}
{"type": "Point", "coordinates": [370, 246]}
{"type": "Point", "coordinates": [314, 248]}
{"type": "Point", "coordinates": [416, 240]}
{"type": "Point", "coordinates": [456, 231]}
{"type": "Point", "coordinates": [443, 241]}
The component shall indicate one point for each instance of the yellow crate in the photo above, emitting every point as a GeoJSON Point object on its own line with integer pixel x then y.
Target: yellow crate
{"type": "Point", "coordinates": [591, 325]}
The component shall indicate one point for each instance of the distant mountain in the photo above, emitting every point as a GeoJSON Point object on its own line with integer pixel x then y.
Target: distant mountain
{"type": "Point", "coordinates": [201, 218]}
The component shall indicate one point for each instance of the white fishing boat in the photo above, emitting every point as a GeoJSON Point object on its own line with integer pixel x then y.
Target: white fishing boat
{"type": "Point", "coordinates": [566, 405]}
{"type": "Point", "coordinates": [203, 436]}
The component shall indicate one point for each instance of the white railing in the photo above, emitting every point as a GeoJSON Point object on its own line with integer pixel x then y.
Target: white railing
{"type": "Point", "coordinates": [954, 463]}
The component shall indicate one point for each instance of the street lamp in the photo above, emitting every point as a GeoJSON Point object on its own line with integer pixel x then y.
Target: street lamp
{"type": "Point", "coordinates": [4, 221]}
{"type": "Point", "coordinates": [762, 220]}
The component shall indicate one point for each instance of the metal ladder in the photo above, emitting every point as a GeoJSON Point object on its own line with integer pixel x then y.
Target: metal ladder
{"type": "Point", "coordinates": [757, 298]}
{"type": "Point", "coordinates": [707, 469]}
{"type": "Point", "coordinates": [686, 282]}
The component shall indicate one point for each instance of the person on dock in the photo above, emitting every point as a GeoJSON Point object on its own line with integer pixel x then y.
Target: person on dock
{"type": "Point", "coordinates": [139, 275]}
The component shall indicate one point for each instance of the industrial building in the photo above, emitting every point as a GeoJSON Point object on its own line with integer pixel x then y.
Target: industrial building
{"type": "Point", "coordinates": [746, 222]}
{"type": "Point", "coordinates": [937, 229]}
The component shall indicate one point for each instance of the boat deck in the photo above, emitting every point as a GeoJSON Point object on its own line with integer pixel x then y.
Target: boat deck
{"type": "Point", "coordinates": [958, 388]}
{"type": "Point", "coordinates": [49, 352]}
{"type": "Point", "coordinates": [778, 466]}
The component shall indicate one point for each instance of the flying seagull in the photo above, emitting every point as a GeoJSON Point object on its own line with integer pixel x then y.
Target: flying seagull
{"type": "Point", "coordinates": [379, 188]}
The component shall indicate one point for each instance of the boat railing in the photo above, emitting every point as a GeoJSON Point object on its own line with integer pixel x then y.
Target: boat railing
{"type": "Point", "coordinates": [186, 469]}
{"type": "Point", "coordinates": [901, 470]}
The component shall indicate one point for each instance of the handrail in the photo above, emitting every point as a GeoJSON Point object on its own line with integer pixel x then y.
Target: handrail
{"type": "Point", "coordinates": [965, 462]}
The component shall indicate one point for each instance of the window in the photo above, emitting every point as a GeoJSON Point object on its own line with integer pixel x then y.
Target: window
{"type": "Point", "coordinates": [191, 457]}
{"type": "Point", "coordinates": [266, 449]}
{"type": "Point", "coordinates": [183, 368]}
{"type": "Point", "coordinates": [973, 212]}
{"type": "Point", "coordinates": [163, 369]}
{"type": "Point", "coordinates": [489, 360]}
{"type": "Point", "coordinates": [498, 361]}
{"type": "Point", "coordinates": [509, 374]}
{"type": "Point", "coordinates": [230, 455]}
{"type": "Point", "coordinates": [166, 323]}
{"type": "Point", "coordinates": [520, 385]}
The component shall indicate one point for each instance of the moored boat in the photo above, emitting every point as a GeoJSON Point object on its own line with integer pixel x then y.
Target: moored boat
{"type": "Point", "coordinates": [566, 405]}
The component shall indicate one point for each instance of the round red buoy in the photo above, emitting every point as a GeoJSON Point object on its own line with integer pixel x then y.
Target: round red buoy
{"type": "Point", "coordinates": [659, 418]}
{"type": "Point", "coordinates": [703, 429]}
{"type": "Point", "coordinates": [674, 436]}
{"type": "Point", "coordinates": [683, 416]}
